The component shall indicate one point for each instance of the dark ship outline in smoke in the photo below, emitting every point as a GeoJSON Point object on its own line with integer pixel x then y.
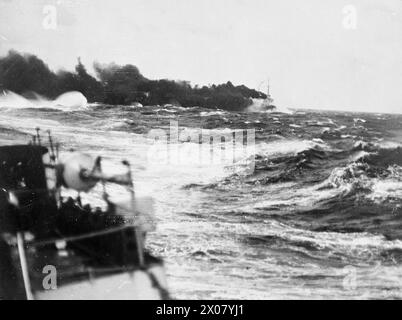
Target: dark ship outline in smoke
{"type": "Point", "coordinates": [97, 254]}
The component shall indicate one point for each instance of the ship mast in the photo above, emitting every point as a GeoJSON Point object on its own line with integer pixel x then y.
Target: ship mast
{"type": "Point", "coordinates": [269, 98]}
{"type": "Point", "coordinates": [268, 89]}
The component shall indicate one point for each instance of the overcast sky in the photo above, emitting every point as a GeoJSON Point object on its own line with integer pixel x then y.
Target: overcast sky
{"type": "Point", "coordinates": [314, 52]}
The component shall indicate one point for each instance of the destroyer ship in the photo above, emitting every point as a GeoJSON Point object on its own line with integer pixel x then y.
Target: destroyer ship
{"type": "Point", "coordinates": [54, 247]}
{"type": "Point", "coordinates": [268, 102]}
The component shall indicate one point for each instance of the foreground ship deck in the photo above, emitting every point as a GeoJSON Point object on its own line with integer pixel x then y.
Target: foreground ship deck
{"type": "Point", "coordinates": [55, 248]}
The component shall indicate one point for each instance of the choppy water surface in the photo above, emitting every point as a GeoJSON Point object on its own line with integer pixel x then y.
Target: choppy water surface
{"type": "Point", "coordinates": [319, 217]}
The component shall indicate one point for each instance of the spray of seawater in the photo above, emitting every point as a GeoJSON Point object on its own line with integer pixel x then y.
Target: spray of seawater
{"type": "Point", "coordinates": [66, 102]}
{"type": "Point", "coordinates": [258, 106]}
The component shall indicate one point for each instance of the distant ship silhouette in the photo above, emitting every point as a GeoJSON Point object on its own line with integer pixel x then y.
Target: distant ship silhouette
{"type": "Point", "coordinates": [267, 104]}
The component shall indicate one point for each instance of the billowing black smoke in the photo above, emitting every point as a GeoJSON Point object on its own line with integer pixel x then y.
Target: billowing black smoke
{"type": "Point", "coordinates": [25, 73]}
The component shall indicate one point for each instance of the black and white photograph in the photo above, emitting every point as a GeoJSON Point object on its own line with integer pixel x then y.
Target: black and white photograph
{"type": "Point", "coordinates": [200, 150]}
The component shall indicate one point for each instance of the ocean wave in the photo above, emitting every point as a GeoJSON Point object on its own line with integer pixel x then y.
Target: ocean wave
{"type": "Point", "coordinates": [286, 147]}
{"type": "Point", "coordinates": [212, 113]}
{"type": "Point", "coordinates": [361, 246]}
{"type": "Point", "coordinates": [387, 190]}
{"type": "Point", "coordinates": [377, 175]}
{"type": "Point", "coordinates": [372, 146]}
{"type": "Point", "coordinates": [285, 161]}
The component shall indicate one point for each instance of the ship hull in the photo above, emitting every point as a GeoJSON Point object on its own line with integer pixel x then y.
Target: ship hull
{"type": "Point", "coordinates": [136, 285]}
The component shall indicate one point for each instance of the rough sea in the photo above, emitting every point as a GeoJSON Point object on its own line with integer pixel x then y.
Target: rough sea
{"type": "Point", "coordinates": [319, 216]}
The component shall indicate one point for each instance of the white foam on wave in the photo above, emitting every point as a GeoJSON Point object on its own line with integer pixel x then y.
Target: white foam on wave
{"type": "Point", "coordinates": [286, 147]}
{"type": "Point", "coordinates": [347, 179]}
{"type": "Point", "coordinates": [386, 189]}
{"type": "Point", "coordinates": [212, 113]}
{"type": "Point", "coordinates": [377, 145]}
{"type": "Point", "coordinates": [341, 182]}
{"type": "Point", "coordinates": [303, 199]}
{"type": "Point", "coordinates": [347, 243]}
